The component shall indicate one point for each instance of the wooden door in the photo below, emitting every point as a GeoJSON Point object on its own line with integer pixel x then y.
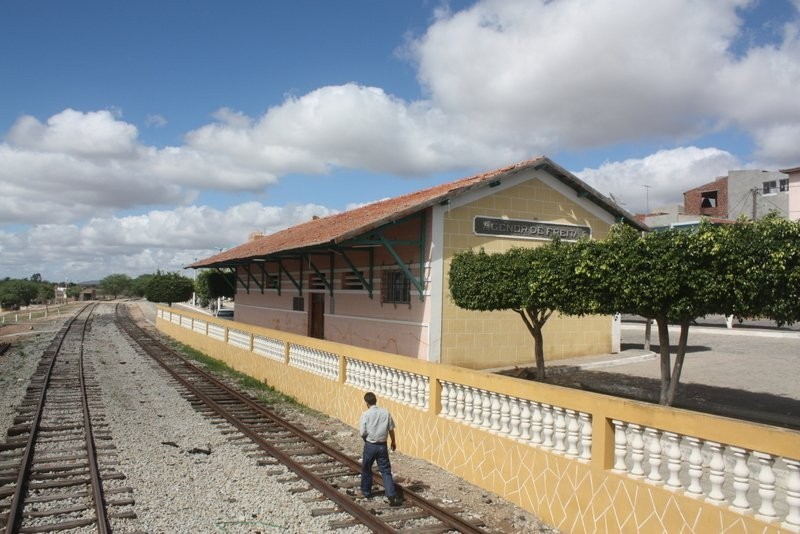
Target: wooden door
{"type": "Point", "coordinates": [316, 316]}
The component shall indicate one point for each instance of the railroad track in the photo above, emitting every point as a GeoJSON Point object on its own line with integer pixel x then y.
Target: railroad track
{"type": "Point", "coordinates": [56, 465]}
{"type": "Point", "coordinates": [317, 464]}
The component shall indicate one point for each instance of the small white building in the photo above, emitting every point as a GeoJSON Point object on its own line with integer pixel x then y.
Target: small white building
{"type": "Point", "coordinates": [794, 192]}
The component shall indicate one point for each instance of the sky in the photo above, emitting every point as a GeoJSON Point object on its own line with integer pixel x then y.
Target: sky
{"type": "Point", "coordinates": [140, 136]}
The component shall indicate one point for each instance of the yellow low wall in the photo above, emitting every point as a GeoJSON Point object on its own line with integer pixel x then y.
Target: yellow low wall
{"type": "Point", "coordinates": [582, 462]}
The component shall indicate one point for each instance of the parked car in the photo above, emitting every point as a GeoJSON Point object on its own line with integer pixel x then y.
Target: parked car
{"type": "Point", "coordinates": [225, 313]}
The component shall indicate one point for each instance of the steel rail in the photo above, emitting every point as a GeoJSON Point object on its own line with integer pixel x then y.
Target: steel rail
{"type": "Point", "coordinates": [362, 514]}
{"type": "Point", "coordinates": [17, 499]}
{"type": "Point", "coordinates": [103, 525]}
{"type": "Point", "coordinates": [21, 486]}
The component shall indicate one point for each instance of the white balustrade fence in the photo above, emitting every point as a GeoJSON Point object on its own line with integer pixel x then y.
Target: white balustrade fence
{"type": "Point", "coordinates": [314, 361]}
{"type": "Point", "coordinates": [400, 386]}
{"type": "Point", "coordinates": [557, 429]}
{"type": "Point", "coordinates": [216, 331]}
{"type": "Point", "coordinates": [748, 482]}
{"type": "Point", "coordinates": [273, 349]}
{"type": "Point", "coordinates": [743, 480]}
{"type": "Point", "coordinates": [239, 338]}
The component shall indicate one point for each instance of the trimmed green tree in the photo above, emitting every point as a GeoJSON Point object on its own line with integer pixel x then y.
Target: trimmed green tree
{"type": "Point", "coordinates": [668, 276]}
{"type": "Point", "coordinates": [761, 262]}
{"type": "Point", "coordinates": [746, 269]}
{"type": "Point", "coordinates": [169, 288]}
{"type": "Point", "coordinates": [533, 282]}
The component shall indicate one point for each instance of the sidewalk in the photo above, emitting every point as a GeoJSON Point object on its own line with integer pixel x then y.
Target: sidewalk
{"type": "Point", "coordinates": [751, 359]}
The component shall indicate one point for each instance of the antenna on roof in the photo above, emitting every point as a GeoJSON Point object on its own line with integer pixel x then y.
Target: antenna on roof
{"type": "Point", "coordinates": [647, 197]}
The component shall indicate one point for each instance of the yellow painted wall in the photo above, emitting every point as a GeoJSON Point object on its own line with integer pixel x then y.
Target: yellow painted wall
{"type": "Point", "coordinates": [485, 340]}
{"type": "Point", "coordinates": [574, 496]}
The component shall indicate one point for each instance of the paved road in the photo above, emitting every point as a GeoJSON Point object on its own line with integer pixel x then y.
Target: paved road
{"type": "Point", "coordinates": [746, 358]}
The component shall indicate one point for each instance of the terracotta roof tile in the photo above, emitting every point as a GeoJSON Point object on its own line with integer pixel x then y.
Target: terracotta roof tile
{"type": "Point", "coordinates": [342, 226]}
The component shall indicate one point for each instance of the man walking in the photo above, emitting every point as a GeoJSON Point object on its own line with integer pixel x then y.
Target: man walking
{"type": "Point", "coordinates": [375, 426]}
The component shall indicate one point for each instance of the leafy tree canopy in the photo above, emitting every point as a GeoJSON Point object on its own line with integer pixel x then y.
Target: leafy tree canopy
{"type": "Point", "coordinates": [533, 282]}
{"type": "Point", "coordinates": [138, 287]}
{"type": "Point", "coordinates": [169, 288]}
{"type": "Point", "coordinates": [221, 284]}
{"type": "Point", "coordinates": [115, 284]}
{"type": "Point", "coordinates": [18, 292]}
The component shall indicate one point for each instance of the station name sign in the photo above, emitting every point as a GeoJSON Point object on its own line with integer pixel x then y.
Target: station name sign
{"type": "Point", "coordinates": [529, 229]}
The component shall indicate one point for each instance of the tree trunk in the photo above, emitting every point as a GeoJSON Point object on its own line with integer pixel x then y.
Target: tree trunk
{"type": "Point", "coordinates": [663, 348]}
{"type": "Point", "coordinates": [538, 351]}
{"type": "Point", "coordinates": [534, 320]}
{"type": "Point", "coordinates": [679, 356]}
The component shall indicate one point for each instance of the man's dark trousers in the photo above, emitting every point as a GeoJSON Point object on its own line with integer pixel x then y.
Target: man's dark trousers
{"type": "Point", "coordinates": [376, 452]}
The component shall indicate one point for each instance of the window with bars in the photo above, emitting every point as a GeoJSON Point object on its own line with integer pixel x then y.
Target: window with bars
{"type": "Point", "coordinates": [395, 287]}
{"type": "Point", "coordinates": [784, 185]}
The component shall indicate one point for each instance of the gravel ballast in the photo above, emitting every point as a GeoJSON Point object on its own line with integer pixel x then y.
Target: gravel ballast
{"type": "Point", "coordinates": [189, 476]}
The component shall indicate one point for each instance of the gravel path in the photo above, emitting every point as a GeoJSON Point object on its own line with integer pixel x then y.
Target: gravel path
{"type": "Point", "coordinates": [189, 477]}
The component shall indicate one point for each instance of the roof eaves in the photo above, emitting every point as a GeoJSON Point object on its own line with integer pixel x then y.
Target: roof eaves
{"type": "Point", "coordinates": [579, 186]}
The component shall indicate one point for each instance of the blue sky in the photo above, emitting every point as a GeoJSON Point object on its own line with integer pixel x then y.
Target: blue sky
{"type": "Point", "coordinates": [137, 136]}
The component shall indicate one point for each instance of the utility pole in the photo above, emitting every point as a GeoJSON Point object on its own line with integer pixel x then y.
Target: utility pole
{"type": "Point", "coordinates": [754, 191]}
{"type": "Point", "coordinates": [647, 198]}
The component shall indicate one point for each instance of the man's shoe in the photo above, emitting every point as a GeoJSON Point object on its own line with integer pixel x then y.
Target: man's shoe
{"type": "Point", "coordinates": [354, 493]}
{"type": "Point", "coordinates": [395, 500]}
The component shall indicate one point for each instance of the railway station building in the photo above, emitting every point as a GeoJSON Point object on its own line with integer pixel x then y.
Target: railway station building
{"type": "Point", "coordinates": [377, 276]}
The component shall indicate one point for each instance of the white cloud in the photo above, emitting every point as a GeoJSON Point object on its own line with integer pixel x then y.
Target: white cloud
{"type": "Point", "coordinates": [509, 80]}
{"type": "Point", "coordinates": [503, 81]}
{"type": "Point", "coordinates": [81, 164]}
{"type": "Point", "coordinates": [668, 173]}
{"type": "Point", "coordinates": [575, 73]}
{"type": "Point", "coordinates": [139, 244]}
{"type": "Point", "coordinates": [93, 134]}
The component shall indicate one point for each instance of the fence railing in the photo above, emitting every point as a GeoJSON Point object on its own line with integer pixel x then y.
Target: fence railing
{"type": "Point", "coordinates": [755, 477]}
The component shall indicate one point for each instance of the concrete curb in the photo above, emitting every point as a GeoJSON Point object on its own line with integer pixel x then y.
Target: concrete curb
{"type": "Point", "coordinates": [618, 361]}
{"type": "Point", "coordinates": [751, 332]}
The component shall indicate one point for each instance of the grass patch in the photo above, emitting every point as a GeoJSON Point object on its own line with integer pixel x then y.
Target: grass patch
{"type": "Point", "coordinates": [263, 391]}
